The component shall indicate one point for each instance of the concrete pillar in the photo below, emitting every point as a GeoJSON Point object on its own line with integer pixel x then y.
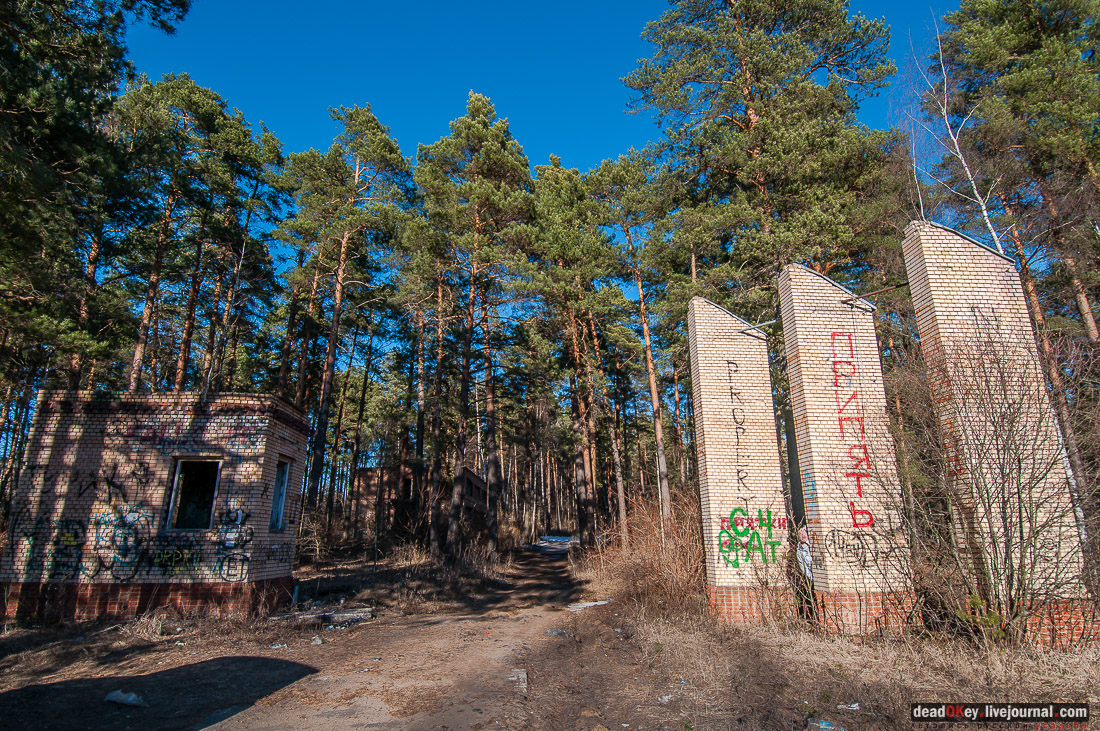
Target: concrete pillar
{"type": "Point", "coordinates": [846, 455]}
{"type": "Point", "coordinates": [740, 483]}
{"type": "Point", "coordinates": [1009, 482]}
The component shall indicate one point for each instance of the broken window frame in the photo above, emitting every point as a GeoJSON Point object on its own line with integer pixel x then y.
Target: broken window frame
{"type": "Point", "coordinates": [278, 497]}
{"type": "Point", "coordinates": [173, 504]}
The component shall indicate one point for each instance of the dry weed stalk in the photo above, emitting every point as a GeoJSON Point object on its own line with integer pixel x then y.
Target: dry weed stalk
{"type": "Point", "coordinates": [656, 576]}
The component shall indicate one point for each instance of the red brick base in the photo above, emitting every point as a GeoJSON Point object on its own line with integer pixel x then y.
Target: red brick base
{"type": "Point", "coordinates": [1063, 625]}
{"type": "Point", "coordinates": [863, 614]}
{"type": "Point", "coordinates": [749, 606]}
{"type": "Point", "coordinates": [37, 602]}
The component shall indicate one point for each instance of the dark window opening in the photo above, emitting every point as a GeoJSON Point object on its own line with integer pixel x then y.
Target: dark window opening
{"type": "Point", "coordinates": [193, 497]}
{"type": "Point", "coordinates": [278, 500]}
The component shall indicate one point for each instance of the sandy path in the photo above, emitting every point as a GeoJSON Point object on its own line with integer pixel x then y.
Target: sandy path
{"type": "Point", "coordinates": [513, 657]}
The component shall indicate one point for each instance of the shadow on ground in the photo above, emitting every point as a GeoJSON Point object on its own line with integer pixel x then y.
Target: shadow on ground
{"type": "Point", "coordinates": [189, 696]}
{"type": "Point", "coordinates": [539, 575]}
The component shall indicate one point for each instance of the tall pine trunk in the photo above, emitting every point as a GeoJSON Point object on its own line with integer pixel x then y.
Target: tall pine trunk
{"type": "Point", "coordinates": [197, 275]}
{"type": "Point", "coordinates": [616, 444]}
{"type": "Point", "coordinates": [323, 406]}
{"type": "Point", "coordinates": [291, 325]}
{"type": "Point", "coordinates": [76, 362]}
{"type": "Point", "coordinates": [655, 400]}
{"type": "Point", "coordinates": [151, 290]}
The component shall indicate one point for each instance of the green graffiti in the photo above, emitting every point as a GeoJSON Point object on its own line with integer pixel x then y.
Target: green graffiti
{"type": "Point", "coordinates": [728, 546]}
{"type": "Point", "coordinates": [734, 523]}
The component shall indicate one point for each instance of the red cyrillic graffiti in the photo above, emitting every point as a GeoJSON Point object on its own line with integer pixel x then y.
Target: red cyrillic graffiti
{"type": "Point", "coordinates": [849, 417]}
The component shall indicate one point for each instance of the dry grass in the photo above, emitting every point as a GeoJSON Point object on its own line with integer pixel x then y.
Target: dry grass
{"type": "Point", "coordinates": [779, 676]}
{"type": "Point", "coordinates": [657, 573]}
{"type": "Point", "coordinates": [771, 677]}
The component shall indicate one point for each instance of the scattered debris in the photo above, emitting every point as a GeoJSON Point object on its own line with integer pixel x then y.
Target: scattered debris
{"type": "Point", "coordinates": [316, 640]}
{"type": "Point", "coordinates": [817, 724]}
{"type": "Point", "coordinates": [585, 605]}
{"type": "Point", "coordinates": [848, 707]}
{"type": "Point", "coordinates": [664, 699]}
{"type": "Point", "coordinates": [557, 633]}
{"type": "Point", "coordinates": [279, 646]}
{"type": "Point", "coordinates": [519, 676]}
{"type": "Point", "coordinates": [126, 699]}
{"type": "Point", "coordinates": [327, 618]}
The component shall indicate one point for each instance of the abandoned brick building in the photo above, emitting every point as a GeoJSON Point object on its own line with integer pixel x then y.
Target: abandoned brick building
{"type": "Point", "coordinates": [133, 501]}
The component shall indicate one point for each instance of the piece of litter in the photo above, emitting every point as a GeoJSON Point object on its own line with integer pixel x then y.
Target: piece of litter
{"type": "Point", "coordinates": [585, 605]}
{"type": "Point", "coordinates": [126, 699]}
{"type": "Point", "coordinates": [376, 659]}
{"type": "Point", "coordinates": [519, 675]}
{"type": "Point", "coordinates": [364, 670]}
{"type": "Point", "coordinates": [276, 647]}
{"type": "Point", "coordinates": [849, 707]}
{"type": "Point", "coordinates": [618, 629]}
{"type": "Point", "coordinates": [316, 640]}
{"type": "Point", "coordinates": [557, 633]}
{"type": "Point", "coordinates": [180, 642]}
{"type": "Point", "coordinates": [664, 699]}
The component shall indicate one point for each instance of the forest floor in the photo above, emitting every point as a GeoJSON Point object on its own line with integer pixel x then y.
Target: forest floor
{"type": "Point", "coordinates": [451, 649]}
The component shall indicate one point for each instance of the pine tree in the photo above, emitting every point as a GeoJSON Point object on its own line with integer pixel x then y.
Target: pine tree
{"type": "Point", "coordinates": [476, 184]}
{"type": "Point", "coordinates": [347, 197]}
{"type": "Point", "coordinates": [758, 100]}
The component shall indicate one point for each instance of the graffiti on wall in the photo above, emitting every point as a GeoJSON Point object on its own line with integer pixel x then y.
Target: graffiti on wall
{"type": "Point", "coordinates": [120, 542]}
{"type": "Point", "coordinates": [737, 413]}
{"type": "Point", "coordinates": [234, 535]}
{"type": "Point", "coordinates": [232, 433]}
{"type": "Point", "coordinates": [863, 548]}
{"type": "Point", "coordinates": [176, 555]}
{"type": "Point", "coordinates": [850, 422]}
{"type": "Point", "coordinates": [740, 536]}
{"type": "Point", "coordinates": [55, 548]}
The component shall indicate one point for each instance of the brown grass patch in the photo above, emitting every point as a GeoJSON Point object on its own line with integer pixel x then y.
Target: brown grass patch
{"type": "Point", "coordinates": [779, 676]}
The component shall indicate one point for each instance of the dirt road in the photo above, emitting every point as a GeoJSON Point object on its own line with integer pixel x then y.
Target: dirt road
{"type": "Point", "coordinates": [510, 656]}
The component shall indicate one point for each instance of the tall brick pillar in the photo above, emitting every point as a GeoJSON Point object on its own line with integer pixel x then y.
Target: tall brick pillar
{"type": "Point", "coordinates": [845, 455]}
{"type": "Point", "coordinates": [740, 483]}
{"type": "Point", "coordinates": [1010, 487]}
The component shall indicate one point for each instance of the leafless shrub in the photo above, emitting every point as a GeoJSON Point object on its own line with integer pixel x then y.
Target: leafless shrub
{"type": "Point", "coordinates": [987, 503]}
{"type": "Point", "coordinates": [656, 577]}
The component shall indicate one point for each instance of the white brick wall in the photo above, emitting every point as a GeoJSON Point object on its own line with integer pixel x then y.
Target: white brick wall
{"type": "Point", "coordinates": [845, 453]}
{"type": "Point", "coordinates": [740, 483]}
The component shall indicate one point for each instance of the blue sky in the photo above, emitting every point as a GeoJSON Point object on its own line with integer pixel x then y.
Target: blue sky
{"type": "Point", "coordinates": [553, 69]}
